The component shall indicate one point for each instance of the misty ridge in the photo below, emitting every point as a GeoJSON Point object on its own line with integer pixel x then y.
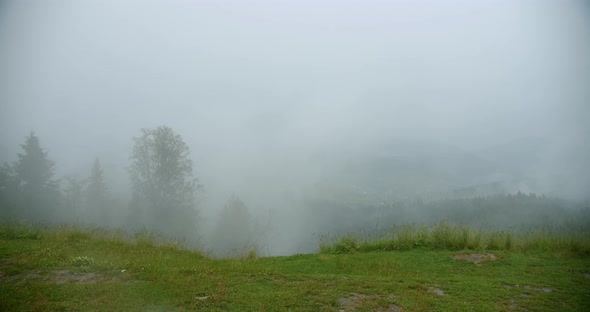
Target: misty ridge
{"type": "Point", "coordinates": [270, 126]}
{"type": "Point", "coordinates": [367, 197]}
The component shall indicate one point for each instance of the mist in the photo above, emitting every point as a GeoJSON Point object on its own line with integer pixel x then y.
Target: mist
{"type": "Point", "coordinates": [283, 104]}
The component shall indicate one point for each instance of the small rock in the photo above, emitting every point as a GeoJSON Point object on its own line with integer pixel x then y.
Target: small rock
{"type": "Point", "coordinates": [437, 291]}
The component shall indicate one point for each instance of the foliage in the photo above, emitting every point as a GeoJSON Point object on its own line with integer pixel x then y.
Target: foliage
{"type": "Point", "coordinates": [33, 168]}
{"type": "Point", "coordinates": [29, 186]}
{"type": "Point", "coordinates": [162, 179]}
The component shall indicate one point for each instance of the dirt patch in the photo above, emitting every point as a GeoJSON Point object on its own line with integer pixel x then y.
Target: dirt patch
{"type": "Point", "coordinates": [538, 289]}
{"type": "Point", "coordinates": [391, 308]}
{"type": "Point", "coordinates": [530, 288]}
{"type": "Point", "coordinates": [20, 277]}
{"type": "Point", "coordinates": [476, 258]}
{"type": "Point", "coordinates": [59, 277]}
{"type": "Point", "coordinates": [355, 301]}
{"type": "Point", "coordinates": [512, 305]}
{"type": "Point", "coordinates": [352, 302]}
{"type": "Point", "coordinates": [65, 276]}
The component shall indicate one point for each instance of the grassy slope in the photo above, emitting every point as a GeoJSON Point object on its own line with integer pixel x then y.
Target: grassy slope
{"type": "Point", "coordinates": [72, 270]}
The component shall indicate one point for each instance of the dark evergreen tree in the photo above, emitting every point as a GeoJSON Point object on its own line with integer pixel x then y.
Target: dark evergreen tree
{"type": "Point", "coordinates": [73, 200]}
{"type": "Point", "coordinates": [96, 195]}
{"type": "Point", "coordinates": [8, 192]}
{"type": "Point", "coordinates": [38, 190]}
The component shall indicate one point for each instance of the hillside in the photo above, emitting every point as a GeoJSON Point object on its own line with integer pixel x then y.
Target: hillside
{"type": "Point", "coordinates": [70, 269]}
{"type": "Point", "coordinates": [406, 169]}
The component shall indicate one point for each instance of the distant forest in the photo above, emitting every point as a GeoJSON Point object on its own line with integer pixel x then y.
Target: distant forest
{"type": "Point", "coordinates": [163, 187]}
{"type": "Point", "coordinates": [165, 198]}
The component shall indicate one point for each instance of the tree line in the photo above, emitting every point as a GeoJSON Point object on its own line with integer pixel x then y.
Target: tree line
{"type": "Point", "coordinates": [165, 193]}
{"type": "Point", "coordinates": [164, 188]}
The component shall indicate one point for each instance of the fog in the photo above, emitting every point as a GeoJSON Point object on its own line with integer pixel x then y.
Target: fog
{"type": "Point", "coordinates": [280, 99]}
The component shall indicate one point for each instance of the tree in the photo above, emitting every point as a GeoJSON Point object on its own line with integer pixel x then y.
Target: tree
{"type": "Point", "coordinates": [73, 202]}
{"type": "Point", "coordinates": [96, 194]}
{"type": "Point", "coordinates": [34, 171]}
{"type": "Point", "coordinates": [8, 192]}
{"type": "Point", "coordinates": [162, 179]}
{"type": "Point", "coordinates": [236, 233]}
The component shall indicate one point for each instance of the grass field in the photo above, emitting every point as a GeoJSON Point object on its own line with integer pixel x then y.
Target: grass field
{"type": "Point", "coordinates": [574, 238]}
{"type": "Point", "coordinates": [65, 269]}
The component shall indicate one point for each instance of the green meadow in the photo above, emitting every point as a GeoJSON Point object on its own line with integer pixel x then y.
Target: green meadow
{"type": "Point", "coordinates": [437, 268]}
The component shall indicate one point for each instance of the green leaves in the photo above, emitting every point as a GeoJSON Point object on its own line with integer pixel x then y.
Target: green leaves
{"type": "Point", "coordinates": [162, 178]}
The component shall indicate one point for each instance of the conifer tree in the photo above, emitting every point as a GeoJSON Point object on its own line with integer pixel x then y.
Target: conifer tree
{"type": "Point", "coordinates": [38, 190]}
{"type": "Point", "coordinates": [96, 194]}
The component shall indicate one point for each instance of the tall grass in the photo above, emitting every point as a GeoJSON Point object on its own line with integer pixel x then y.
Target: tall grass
{"type": "Point", "coordinates": [438, 236]}
{"type": "Point", "coordinates": [76, 234]}
{"type": "Point", "coordinates": [443, 235]}
{"type": "Point", "coordinates": [20, 230]}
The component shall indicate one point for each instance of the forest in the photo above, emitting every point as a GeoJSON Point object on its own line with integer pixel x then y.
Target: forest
{"type": "Point", "coordinates": [166, 198]}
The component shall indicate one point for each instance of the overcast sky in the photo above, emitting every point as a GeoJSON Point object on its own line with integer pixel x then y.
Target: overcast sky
{"type": "Point", "coordinates": [241, 79]}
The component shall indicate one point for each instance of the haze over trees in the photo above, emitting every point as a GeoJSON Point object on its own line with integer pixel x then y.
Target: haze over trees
{"type": "Point", "coordinates": [8, 192]}
{"type": "Point", "coordinates": [236, 232]}
{"type": "Point", "coordinates": [162, 178]}
{"type": "Point", "coordinates": [323, 117]}
{"type": "Point", "coordinates": [74, 202]}
{"type": "Point", "coordinates": [97, 194]}
{"type": "Point", "coordinates": [30, 182]}
{"type": "Point", "coordinates": [161, 175]}
{"type": "Point", "coordinates": [164, 199]}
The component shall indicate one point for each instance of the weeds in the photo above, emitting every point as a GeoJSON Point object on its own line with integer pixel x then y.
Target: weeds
{"type": "Point", "coordinates": [64, 268]}
{"type": "Point", "coordinates": [19, 230]}
{"type": "Point", "coordinates": [82, 261]}
{"type": "Point", "coordinates": [442, 235]}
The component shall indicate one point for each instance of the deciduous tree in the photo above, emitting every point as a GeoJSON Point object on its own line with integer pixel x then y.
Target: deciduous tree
{"type": "Point", "coordinates": [162, 179]}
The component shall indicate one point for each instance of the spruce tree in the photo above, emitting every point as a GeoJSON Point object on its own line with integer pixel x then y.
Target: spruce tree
{"type": "Point", "coordinates": [8, 192]}
{"type": "Point", "coordinates": [38, 190]}
{"type": "Point", "coordinates": [96, 194]}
